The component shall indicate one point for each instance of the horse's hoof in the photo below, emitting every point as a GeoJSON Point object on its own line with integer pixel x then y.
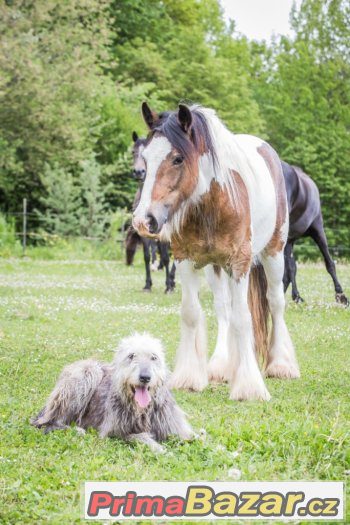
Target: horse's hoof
{"type": "Point", "coordinates": [342, 299]}
{"type": "Point", "coordinates": [218, 370]}
{"type": "Point", "coordinates": [168, 290]}
{"type": "Point", "coordinates": [146, 289]}
{"type": "Point", "coordinates": [298, 299]}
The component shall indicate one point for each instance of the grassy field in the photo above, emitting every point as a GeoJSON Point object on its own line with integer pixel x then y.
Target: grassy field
{"type": "Point", "coordinates": [55, 312]}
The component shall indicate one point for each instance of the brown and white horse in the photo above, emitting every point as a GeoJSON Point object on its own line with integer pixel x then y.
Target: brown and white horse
{"type": "Point", "coordinates": [220, 199]}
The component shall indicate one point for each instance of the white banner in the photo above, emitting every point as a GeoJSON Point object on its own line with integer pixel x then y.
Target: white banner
{"type": "Point", "coordinates": [204, 500]}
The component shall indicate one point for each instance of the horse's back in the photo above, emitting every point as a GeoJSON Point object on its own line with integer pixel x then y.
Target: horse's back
{"type": "Point", "coordinates": [303, 200]}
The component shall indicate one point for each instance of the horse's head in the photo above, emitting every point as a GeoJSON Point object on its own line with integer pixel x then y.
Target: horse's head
{"type": "Point", "coordinates": [174, 145]}
{"type": "Point", "coordinates": [139, 165]}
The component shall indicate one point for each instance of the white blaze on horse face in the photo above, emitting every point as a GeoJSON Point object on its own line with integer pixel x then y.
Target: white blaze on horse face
{"type": "Point", "coordinates": [154, 154]}
{"type": "Point", "coordinates": [139, 161]}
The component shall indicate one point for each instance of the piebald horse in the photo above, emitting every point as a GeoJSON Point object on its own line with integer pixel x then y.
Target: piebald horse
{"type": "Point", "coordinates": [220, 199]}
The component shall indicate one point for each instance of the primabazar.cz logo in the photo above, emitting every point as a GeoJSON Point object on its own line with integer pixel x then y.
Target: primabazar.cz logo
{"type": "Point", "coordinates": [306, 500]}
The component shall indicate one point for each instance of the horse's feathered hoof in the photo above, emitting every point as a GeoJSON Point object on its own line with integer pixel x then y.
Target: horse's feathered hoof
{"type": "Point", "coordinates": [342, 299]}
{"type": "Point", "coordinates": [169, 290]}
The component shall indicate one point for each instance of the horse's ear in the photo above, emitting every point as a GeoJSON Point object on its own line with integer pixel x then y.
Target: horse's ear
{"type": "Point", "coordinates": [184, 117]}
{"type": "Point", "coordinates": [149, 116]}
{"type": "Point", "coordinates": [135, 136]}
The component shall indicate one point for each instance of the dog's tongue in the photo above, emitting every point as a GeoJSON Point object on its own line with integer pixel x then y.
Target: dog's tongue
{"type": "Point", "coordinates": [142, 396]}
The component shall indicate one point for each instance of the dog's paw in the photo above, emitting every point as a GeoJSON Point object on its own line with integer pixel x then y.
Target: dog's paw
{"type": "Point", "coordinates": [157, 448]}
{"type": "Point", "coordinates": [201, 435]}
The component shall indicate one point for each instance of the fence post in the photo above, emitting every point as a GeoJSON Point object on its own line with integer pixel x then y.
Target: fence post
{"type": "Point", "coordinates": [24, 242]}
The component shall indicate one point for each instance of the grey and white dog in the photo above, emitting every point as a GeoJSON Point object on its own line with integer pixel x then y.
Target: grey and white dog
{"type": "Point", "coordinates": [128, 398]}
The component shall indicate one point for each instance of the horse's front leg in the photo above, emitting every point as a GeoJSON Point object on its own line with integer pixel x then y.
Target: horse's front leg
{"type": "Point", "coordinates": [245, 377]}
{"type": "Point", "coordinates": [146, 255]}
{"type": "Point", "coordinates": [164, 253]}
{"type": "Point", "coordinates": [191, 356]}
{"type": "Point", "coordinates": [219, 284]}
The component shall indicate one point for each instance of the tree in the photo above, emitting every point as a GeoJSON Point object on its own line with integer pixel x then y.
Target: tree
{"type": "Point", "coordinates": [303, 91]}
{"type": "Point", "coordinates": [51, 59]}
{"type": "Point", "coordinates": [61, 202]}
{"type": "Point", "coordinates": [92, 213]}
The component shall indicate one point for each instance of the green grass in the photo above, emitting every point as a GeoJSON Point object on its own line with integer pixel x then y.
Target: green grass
{"type": "Point", "coordinates": [55, 312]}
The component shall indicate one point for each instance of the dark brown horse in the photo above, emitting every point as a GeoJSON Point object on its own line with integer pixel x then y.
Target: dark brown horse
{"type": "Point", "coordinates": [305, 220]}
{"type": "Point", "coordinates": [133, 239]}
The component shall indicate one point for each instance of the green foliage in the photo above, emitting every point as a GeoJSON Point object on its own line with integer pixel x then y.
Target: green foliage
{"type": "Point", "coordinates": [73, 75]}
{"type": "Point", "coordinates": [61, 201]}
{"type": "Point", "coordinates": [74, 205]}
{"type": "Point", "coordinates": [7, 231]}
{"type": "Point", "coordinates": [93, 214]}
{"type": "Point", "coordinates": [51, 79]}
{"type": "Point", "coordinates": [303, 89]}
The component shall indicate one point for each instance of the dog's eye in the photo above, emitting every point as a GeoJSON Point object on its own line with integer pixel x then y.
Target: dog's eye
{"type": "Point", "coordinates": [178, 160]}
{"type": "Point", "coordinates": [154, 358]}
{"type": "Point", "coordinates": [131, 356]}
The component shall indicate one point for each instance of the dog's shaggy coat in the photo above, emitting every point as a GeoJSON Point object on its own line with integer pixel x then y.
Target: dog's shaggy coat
{"type": "Point", "coordinates": [128, 398]}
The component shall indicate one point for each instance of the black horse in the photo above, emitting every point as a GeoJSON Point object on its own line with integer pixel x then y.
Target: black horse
{"type": "Point", "coordinates": [305, 220]}
{"type": "Point", "coordinates": [150, 246]}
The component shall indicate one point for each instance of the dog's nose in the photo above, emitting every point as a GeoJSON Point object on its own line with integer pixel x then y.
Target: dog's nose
{"type": "Point", "coordinates": [145, 378]}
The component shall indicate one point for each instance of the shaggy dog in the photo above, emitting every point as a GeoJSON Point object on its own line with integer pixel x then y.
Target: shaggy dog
{"type": "Point", "coordinates": [128, 398]}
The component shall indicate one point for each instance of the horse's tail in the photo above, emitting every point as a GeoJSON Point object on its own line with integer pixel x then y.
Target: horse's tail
{"type": "Point", "coordinates": [131, 242]}
{"type": "Point", "coordinates": [259, 309]}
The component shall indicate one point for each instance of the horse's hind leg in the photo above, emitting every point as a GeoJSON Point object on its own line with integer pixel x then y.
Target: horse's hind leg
{"type": "Point", "coordinates": [191, 356]}
{"type": "Point", "coordinates": [218, 282]}
{"type": "Point", "coordinates": [172, 277]}
{"type": "Point", "coordinates": [146, 255]}
{"type": "Point", "coordinates": [281, 360]}
{"type": "Point", "coordinates": [290, 268]}
{"type": "Point", "coordinates": [245, 377]}
{"type": "Point", "coordinates": [286, 275]}
{"type": "Point", "coordinates": [317, 233]}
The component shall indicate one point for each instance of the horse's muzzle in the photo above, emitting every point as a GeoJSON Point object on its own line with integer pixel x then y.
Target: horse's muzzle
{"type": "Point", "coordinates": [151, 225]}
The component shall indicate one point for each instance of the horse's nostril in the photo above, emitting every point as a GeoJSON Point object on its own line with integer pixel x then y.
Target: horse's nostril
{"type": "Point", "coordinates": [152, 223]}
{"type": "Point", "coordinates": [145, 378]}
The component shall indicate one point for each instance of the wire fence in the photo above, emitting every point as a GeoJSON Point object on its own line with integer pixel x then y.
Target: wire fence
{"type": "Point", "coordinates": [28, 232]}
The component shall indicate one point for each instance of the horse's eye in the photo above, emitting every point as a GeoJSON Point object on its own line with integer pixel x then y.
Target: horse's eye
{"type": "Point", "coordinates": [131, 356]}
{"type": "Point", "coordinates": [178, 160]}
{"type": "Point", "coordinates": [154, 357]}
